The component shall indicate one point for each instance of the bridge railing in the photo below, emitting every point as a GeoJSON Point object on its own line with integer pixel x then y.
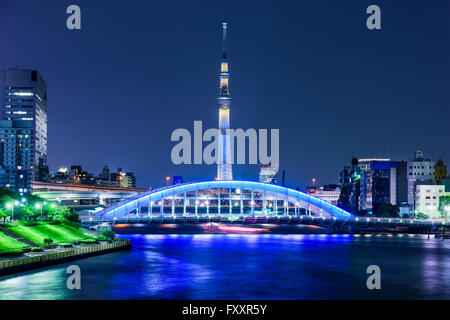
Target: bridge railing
{"type": "Point", "coordinates": [249, 217]}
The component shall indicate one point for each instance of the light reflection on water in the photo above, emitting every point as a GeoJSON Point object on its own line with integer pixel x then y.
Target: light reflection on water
{"type": "Point", "coordinates": [239, 266]}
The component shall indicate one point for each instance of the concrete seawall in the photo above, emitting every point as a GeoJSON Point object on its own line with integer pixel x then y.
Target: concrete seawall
{"type": "Point", "coordinates": [28, 263]}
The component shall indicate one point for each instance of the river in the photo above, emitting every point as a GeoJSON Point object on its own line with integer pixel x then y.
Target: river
{"type": "Point", "coordinates": [238, 266]}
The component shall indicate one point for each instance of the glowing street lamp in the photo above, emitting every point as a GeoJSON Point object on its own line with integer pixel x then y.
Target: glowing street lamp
{"type": "Point", "coordinates": [38, 206]}
{"type": "Point", "coordinates": [11, 206]}
{"type": "Point", "coordinates": [167, 180]}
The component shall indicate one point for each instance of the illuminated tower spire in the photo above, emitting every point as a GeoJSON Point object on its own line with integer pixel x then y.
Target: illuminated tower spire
{"type": "Point", "coordinates": [224, 170]}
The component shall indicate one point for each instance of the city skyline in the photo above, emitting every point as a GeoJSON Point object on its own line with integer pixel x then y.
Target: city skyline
{"type": "Point", "coordinates": [242, 152]}
{"type": "Point", "coordinates": [371, 80]}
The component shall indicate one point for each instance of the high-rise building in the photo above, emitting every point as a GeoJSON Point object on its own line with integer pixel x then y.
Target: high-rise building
{"type": "Point", "coordinates": [366, 191]}
{"type": "Point", "coordinates": [25, 98]}
{"type": "Point", "coordinates": [384, 183]}
{"type": "Point", "coordinates": [106, 174]}
{"type": "Point", "coordinates": [402, 183]}
{"type": "Point", "coordinates": [420, 172]}
{"type": "Point", "coordinates": [350, 182]}
{"type": "Point", "coordinates": [224, 169]}
{"type": "Point", "coordinates": [15, 155]}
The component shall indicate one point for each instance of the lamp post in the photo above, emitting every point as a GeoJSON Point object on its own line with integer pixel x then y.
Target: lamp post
{"type": "Point", "coordinates": [11, 206]}
{"type": "Point", "coordinates": [39, 206]}
{"type": "Point", "coordinates": [167, 180]}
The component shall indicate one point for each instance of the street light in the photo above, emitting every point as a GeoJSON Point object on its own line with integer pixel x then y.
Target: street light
{"type": "Point", "coordinates": [11, 206]}
{"type": "Point", "coordinates": [39, 206]}
{"type": "Point", "coordinates": [167, 180]}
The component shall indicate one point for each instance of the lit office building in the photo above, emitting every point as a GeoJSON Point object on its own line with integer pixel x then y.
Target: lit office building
{"type": "Point", "coordinates": [420, 172]}
{"type": "Point", "coordinates": [25, 98]}
{"type": "Point", "coordinates": [15, 155]}
{"type": "Point", "coordinates": [350, 182]}
{"type": "Point", "coordinates": [366, 183]}
{"type": "Point", "coordinates": [384, 182]}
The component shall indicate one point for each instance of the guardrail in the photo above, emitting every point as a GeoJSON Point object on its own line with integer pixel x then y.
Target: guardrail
{"type": "Point", "coordinates": [281, 218]}
{"type": "Point", "coordinates": [42, 259]}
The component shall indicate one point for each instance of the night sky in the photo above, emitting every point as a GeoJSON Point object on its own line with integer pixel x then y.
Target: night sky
{"type": "Point", "coordinates": [137, 70]}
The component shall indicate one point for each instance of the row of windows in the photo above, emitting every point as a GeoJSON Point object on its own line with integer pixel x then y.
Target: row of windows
{"type": "Point", "coordinates": [19, 106]}
{"type": "Point", "coordinates": [24, 88]}
{"type": "Point", "coordinates": [418, 174]}
{"type": "Point", "coordinates": [429, 190]}
{"type": "Point", "coordinates": [421, 167]}
{"type": "Point", "coordinates": [19, 100]}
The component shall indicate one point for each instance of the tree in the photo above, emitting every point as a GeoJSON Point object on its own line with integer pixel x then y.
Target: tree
{"type": "Point", "coordinates": [71, 215]}
{"type": "Point", "coordinates": [386, 210]}
{"type": "Point", "coordinates": [444, 205]}
{"type": "Point", "coordinates": [420, 215]}
{"type": "Point", "coordinates": [108, 234]}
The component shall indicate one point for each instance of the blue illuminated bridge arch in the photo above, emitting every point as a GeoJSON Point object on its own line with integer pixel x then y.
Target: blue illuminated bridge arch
{"type": "Point", "coordinates": [222, 198]}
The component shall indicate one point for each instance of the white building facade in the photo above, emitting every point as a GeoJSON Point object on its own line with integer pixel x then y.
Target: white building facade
{"type": "Point", "coordinates": [427, 199]}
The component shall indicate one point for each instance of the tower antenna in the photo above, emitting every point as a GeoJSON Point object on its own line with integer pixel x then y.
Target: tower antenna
{"type": "Point", "coordinates": [224, 40]}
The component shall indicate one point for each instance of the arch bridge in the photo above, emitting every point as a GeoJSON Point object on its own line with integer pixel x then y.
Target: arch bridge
{"type": "Point", "coordinates": [221, 198]}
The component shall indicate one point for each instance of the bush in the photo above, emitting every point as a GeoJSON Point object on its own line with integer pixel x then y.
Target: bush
{"type": "Point", "coordinates": [89, 241]}
{"type": "Point", "coordinates": [71, 215]}
{"type": "Point", "coordinates": [108, 234]}
{"type": "Point", "coordinates": [65, 245]}
{"type": "Point", "coordinates": [69, 223]}
{"type": "Point", "coordinates": [36, 249]}
{"type": "Point", "coordinates": [104, 239]}
{"type": "Point", "coordinates": [48, 241]}
{"type": "Point", "coordinates": [55, 222]}
{"type": "Point", "coordinates": [11, 252]}
{"type": "Point", "coordinates": [29, 223]}
{"type": "Point", "coordinates": [6, 225]}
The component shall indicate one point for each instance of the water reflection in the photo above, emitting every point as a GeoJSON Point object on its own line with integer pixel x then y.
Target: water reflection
{"type": "Point", "coordinates": [256, 266]}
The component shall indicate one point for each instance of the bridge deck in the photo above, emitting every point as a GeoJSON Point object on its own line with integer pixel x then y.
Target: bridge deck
{"type": "Point", "coordinates": [282, 219]}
